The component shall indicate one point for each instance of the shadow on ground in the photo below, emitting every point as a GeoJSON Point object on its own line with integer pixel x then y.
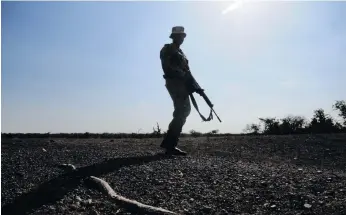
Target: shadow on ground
{"type": "Point", "coordinates": [55, 189]}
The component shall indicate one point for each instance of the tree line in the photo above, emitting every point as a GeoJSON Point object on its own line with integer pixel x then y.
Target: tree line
{"type": "Point", "coordinates": [320, 123]}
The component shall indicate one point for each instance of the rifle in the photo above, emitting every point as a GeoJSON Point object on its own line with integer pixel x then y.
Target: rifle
{"type": "Point", "coordinates": [193, 86]}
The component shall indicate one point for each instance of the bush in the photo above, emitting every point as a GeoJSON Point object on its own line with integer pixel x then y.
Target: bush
{"type": "Point", "coordinates": [271, 125]}
{"type": "Point", "coordinates": [252, 128]}
{"type": "Point", "coordinates": [322, 123]}
{"type": "Point", "coordinates": [195, 133]}
{"type": "Point", "coordinates": [341, 107]}
{"type": "Point", "coordinates": [292, 125]}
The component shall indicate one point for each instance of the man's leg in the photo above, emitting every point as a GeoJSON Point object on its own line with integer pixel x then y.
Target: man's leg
{"type": "Point", "coordinates": [182, 109]}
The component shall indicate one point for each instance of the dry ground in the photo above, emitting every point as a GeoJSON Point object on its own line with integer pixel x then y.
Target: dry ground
{"type": "Point", "coordinates": [303, 174]}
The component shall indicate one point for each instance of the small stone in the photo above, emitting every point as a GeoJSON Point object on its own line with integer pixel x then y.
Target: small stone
{"type": "Point", "coordinates": [19, 192]}
{"type": "Point", "coordinates": [273, 206]}
{"type": "Point", "coordinates": [306, 205]}
{"type": "Point", "coordinates": [207, 209]}
{"type": "Point", "coordinates": [44, 150]}
{"type": "Point", "coordinates": [224, 212]}
{"type": "Point", "coordinates": [79, 198]}
{"type": "Point", "coordinates": [75, 206]}
{"type": "Point", "coordinates": [95, 212]}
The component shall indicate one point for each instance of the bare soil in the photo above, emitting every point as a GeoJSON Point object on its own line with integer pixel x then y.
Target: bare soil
{"type": "Point", "coordinates": [298, 174]}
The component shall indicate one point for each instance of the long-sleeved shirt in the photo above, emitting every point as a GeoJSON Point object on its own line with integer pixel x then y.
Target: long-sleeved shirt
{"type": "Point", "coordinates": [174, 62]}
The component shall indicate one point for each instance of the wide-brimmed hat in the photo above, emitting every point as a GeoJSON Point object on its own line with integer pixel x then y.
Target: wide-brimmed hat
{"type": "Point", "coordinates": [177, 30]}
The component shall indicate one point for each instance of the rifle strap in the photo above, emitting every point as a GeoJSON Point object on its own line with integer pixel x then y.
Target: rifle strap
{"type": "Point", "coordinates": [196, 107]}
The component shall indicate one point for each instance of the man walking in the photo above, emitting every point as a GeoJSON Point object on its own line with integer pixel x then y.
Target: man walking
{"type": "Point", "coordinates": [176, 73]}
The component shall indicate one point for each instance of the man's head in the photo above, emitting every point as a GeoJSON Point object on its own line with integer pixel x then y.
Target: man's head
{"type": "Point", "coordinates": [178, 35]}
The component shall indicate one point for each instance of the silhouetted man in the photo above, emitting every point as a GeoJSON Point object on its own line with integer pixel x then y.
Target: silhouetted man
{"type": "Point", "coordinates": [175, 67]}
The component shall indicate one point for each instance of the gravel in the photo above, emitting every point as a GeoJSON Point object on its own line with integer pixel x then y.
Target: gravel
{"type": "Point", "coordinates": [296, 174]}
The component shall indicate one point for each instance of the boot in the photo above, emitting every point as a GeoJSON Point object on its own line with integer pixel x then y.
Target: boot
{"type": "Point", "coordinates": [169, 143]}
{"type": "Point", "coordinates": [175, 151]}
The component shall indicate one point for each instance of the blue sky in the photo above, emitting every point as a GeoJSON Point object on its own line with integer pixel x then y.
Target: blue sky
{"type": "Point", "coordinates": [95, 67]}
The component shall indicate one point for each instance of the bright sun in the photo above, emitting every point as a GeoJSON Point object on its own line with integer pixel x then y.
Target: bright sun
{"type": "Point", "coordinates": [235, 5]}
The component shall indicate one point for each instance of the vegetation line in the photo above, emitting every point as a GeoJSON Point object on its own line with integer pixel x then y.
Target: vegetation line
{"type": "Point", "coordinates": [320, 123]}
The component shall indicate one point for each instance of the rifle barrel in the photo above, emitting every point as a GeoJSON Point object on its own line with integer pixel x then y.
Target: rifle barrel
{"type": "Point", "coordinates": [216, 115]}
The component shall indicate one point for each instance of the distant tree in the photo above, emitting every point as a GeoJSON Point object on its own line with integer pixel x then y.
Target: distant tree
{"type": "Point", "coordinates": [292, 125]}
{"type": "Point", "coordinates": [322, 123]}
{"type": "Point", "coordinates": [211, 133]}
{"type": "Point", "coordinates": [252, 128]}
{"type": "Point", "coordinates": [157, 131]}
{"type": "Point", "coordinates": [216, 131]}
{"type": "Point", "coordinates": [85, 135]}
{"type": "Point", "coordinates": [271, 125]}
{"type": "Point", "coordinates": [195, 133]}
{"type": "Point", "coordinates": [341, 107]}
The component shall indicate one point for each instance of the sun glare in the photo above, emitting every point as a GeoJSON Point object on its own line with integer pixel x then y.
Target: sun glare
{"type": "Point", "coordinates": [235, 5]}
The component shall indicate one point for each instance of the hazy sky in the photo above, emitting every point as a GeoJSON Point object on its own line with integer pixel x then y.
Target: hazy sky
{"type": "Point", "coordinates": [95, 66]}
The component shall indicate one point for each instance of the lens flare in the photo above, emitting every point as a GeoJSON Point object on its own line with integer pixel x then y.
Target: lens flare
{"type": "Point", "coordinates": [235, 5]}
